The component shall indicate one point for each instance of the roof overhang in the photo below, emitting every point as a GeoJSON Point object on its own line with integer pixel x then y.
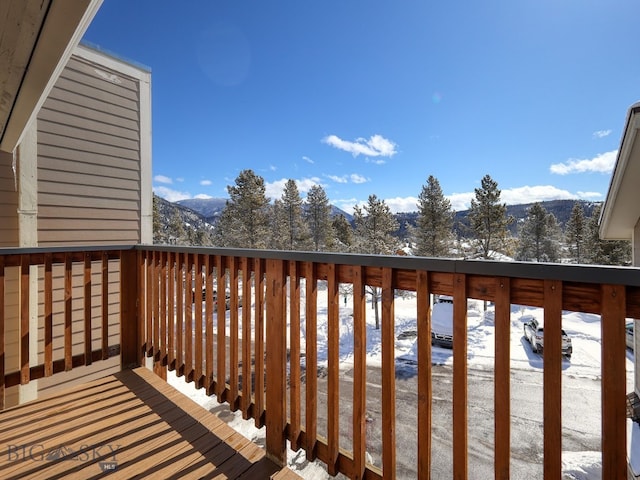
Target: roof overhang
{"type": "Point", "coordinates": [621, 209]}
{"type": "Point", "coordinates": [36, 42]}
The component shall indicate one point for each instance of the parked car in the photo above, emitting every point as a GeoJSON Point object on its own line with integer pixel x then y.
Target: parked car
{"type": "Point", "coordinates": [442, 322]}
{"type": "Point", "coordinates": [534, 333]}
{"type": "Point", "coordinates": [227, 302]}
{"type": "Point", "coordinates": [629, 334]}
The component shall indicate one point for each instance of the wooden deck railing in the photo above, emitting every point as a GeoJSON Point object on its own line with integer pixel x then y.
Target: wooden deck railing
{"type": "Point", "coordinates": [171, 299]}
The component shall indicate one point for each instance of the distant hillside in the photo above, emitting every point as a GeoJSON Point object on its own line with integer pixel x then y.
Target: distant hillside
{"type": "Point", "coordinates": [196, 230]}
{"type": "Point", "coordinates": [560, 208]}
{"type": "Point", "coordinates": [211, 208]}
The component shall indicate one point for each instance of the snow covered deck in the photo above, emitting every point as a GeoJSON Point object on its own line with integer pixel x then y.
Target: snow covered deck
{"type": "Point", "coordinates": [128, 425]}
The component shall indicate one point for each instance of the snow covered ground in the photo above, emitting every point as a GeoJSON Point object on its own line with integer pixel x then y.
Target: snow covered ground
{"type": "Point", "coordinates": [584, 330]}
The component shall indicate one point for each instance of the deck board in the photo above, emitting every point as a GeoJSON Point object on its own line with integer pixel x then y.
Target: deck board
{"type": "Point", "coordinates": [133, 422]}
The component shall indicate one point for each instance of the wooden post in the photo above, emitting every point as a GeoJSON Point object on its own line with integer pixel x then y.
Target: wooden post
{"type": "Point", "coordinates": [131, 353]}
{"type": "Point", "coordinates": [276, 352]}
{"type": "Point", "coordinates": [614, 452]}
{"type": "Point", "coordinates": [552, 378]}
{"type": "Point", "coordinates": [460, 393]}
{"type": "Point", "coordinates": [502, 382]}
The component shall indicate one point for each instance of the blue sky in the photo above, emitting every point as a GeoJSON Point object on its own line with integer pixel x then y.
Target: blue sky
{"type": "Point", "coordinates": [372, 97]}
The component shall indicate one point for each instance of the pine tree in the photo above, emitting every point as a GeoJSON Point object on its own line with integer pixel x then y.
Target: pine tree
{"type": "Point", "coordinates": [605, 252]}
{"type": "Point", "coordinates": [343, 233]}
{"type": "Point", "coordinates": [318, 220]}
{"type": "Point", "coordinates": [296, 232]}
{"type": "Point", "coordinates": [539, 236]}
{"type": "Point", "coordinates": [158, 234]}
{"type": "Point", "coordinates": [375, 226]}
{"type": "Point", "coordinates": [433, 231]}
{"type": "Point", "coordinates": [576, 234]}
{"type": "Point", "coordinates": [245, 219]}
{"type": "Point", "coordinates": [278, 225]}
{"type": "Point", "coordinates": [488, 217]}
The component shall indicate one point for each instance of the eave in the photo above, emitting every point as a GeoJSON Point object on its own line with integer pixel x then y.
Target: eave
{"type": "Point", "coordinates": [36, 41]}
{"type": "Point", "coordinates": [621, 209]}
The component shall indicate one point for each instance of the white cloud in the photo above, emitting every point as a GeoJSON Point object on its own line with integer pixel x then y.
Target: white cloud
{"type": "Point", "coordinates": [537, 193]}
{"type": "Point", "coordinates": [399, 204]}
{"type": "Point", "coordinates": [375, 146]}
{"type": "Point", "coordinates": [205, 183]}
{"type": "Point", "coordinates": [203, 196]}
{"type": "Point", "coordinates": [162, 179]}
{"type": "Point", "coordinates": [308, 160]}
{"type": "Point", "coordinates": [274, 190]}
{"type": "Point", "coordinates": [589, 195]}
{"type": "Point", "coordinates": [337, 179]}
{"type": "Point", "coordinates": [180, 179]}
{"type": "Point", "coordinates": [601, 133]}
{"type": "Point", "coordinates": [272, 168]}
{"type": "Point", "coordinates": [602, 163]}
{"type": "Point", "coordinates": [171, 195]}
{"type": "Point", "coordinates": [460, 201]}
{"type": "Point", "coordinates": [355, 178]}
{"type": "Point", "coordinates": [376, 161]}
{"type": "Point", "coordinates": [518, 195]}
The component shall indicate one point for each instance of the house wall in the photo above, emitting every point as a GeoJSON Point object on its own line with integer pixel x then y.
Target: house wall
{"type": "Point", "coordinates": [8, 202]}
{"type": "Point", "coordinates": [94, 154]}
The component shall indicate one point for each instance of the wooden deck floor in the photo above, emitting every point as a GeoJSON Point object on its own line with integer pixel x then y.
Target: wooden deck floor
{"type": "Point", "coordinates": [128, 425]}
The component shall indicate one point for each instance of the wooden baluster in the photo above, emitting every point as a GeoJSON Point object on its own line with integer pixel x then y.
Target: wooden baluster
{"type": "Point", "coordinates": [171, 309]}
{"type": "Point", "coordinates": [311, 375]}
{"type": "Point", "coordinates": [233, 331]}
{"type": "Point", "coordinates": [156, 309]}
{"type": "Point", "coordinates": [87, 309]}
{"type": "Point", "coordinates": [259, 341]}
{"type": "Point", "coordinates": [197, 302]}
{"type": "Point", "coordinates": [48, 315]}
{"type": "Point", "coordinates": [104, 307]}
{"type": "Point", "coordinates": [425, 391]}
{"type": "Point", "coordinates": [246, 336]}
{"type": "Point", "coordinates": [359, 373]}
{"type": "Point", "coordinates": [333, 384]}
{"type": "Point", "coordinates": [182, 297]}
{"type": "Point", "coordinates": [68, 298]}
{"type": "Point", "coordinates": [162, 359]}
{"type": "Point", "coordinates": [460, 413]}
{"type": "Point", "coordinates": [188, 320]}
{"type": "Point", "coordinates": [149, 304]}
{"type": "Point", "coordinates": [208, 381]}
{"type": "Point", "coordinates": [388, 377]}
{"type": "Point", "coordinates": [294, 355]}
{"type": "Point", "coordinates": [222, 327]}
{"type": "Point", "coordinates": [502, 378]}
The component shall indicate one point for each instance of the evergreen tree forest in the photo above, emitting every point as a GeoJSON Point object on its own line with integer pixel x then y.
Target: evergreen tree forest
{"type": "Point", "coordinates": [292, 222]}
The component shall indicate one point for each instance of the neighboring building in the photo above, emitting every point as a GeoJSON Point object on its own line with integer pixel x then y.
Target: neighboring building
{"type": "Point", "coordinates": [620, 220]}
{"type": "Point", "coordinates": [75, 157]}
